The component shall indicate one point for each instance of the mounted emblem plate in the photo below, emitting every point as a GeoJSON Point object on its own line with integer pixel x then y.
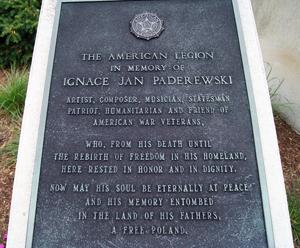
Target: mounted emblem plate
{"type": "Point", "coordinates": [146, 26]}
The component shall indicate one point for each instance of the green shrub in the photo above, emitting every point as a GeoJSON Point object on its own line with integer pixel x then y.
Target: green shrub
{"type": "Point", "coordinates": [13, 92]}
{"type": "Point", "coordinates": [18, 23]}
{"type": "Point", "coordinates": [294, 208]}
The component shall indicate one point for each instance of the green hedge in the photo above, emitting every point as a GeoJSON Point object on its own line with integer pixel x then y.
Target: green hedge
{"type": "Point", "coordinates": [18, 23]}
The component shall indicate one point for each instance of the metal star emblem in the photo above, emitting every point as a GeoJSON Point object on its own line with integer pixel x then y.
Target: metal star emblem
{"type": "Point", "coordinates": [146, 26]}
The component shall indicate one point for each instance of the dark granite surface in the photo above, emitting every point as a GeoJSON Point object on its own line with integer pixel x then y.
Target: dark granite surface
{"type": "Point", "coordinates": [236, 218]}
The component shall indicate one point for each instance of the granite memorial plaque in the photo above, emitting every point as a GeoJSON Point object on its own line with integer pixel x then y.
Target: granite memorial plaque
{"type": "Point", "coordinates": [149, 137]}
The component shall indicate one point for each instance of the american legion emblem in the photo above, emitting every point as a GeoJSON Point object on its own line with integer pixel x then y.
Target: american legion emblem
{"type": "Point", "coordinates": [146, 26]}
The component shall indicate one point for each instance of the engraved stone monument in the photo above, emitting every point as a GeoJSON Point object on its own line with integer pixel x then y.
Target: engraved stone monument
{"type": "Point", "coordinates": [148, 124]}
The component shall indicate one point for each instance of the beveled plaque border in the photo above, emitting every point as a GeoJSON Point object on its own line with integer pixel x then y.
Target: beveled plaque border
{"type": "Point", "coordinates": [24, 197]}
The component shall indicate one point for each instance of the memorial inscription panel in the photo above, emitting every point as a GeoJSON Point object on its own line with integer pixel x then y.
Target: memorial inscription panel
{"type": "Point", "coordinates": [148, 139]}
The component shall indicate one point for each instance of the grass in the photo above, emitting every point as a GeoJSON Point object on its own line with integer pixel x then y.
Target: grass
{"type": "Point", "coordinates": [13, 92]}
{"type": "Point", "coordinates": [279, 105]}
{"type": "Point", "coordinates": [10, 150]}
{"type": "Point", "coordinates": [294, 208]}
{"type": "Point", "coordinates": [12, 98]}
